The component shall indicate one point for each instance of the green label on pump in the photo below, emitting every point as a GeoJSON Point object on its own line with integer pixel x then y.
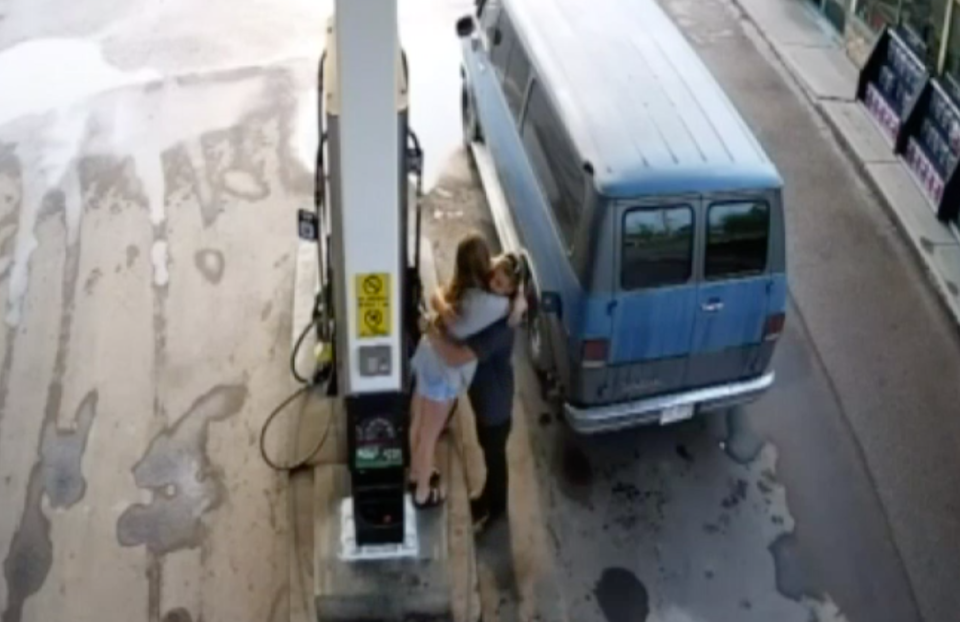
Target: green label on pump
{"type": "Point", "coordinates": [376, 457]}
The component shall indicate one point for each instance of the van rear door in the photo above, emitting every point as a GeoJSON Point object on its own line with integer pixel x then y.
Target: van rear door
{"type": "Point", "coordinates": [654, 310]}
{"type": "Point", "coordinates": [733, 298]}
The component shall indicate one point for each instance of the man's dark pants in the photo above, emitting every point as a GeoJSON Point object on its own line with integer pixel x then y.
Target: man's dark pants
{"type": "Point", "coordinates": [491, 395]}
{"type": "Point", "coordinates": [493, 443]}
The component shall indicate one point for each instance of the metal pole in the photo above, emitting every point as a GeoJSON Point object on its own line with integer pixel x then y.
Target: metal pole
{"type": "Point", "coordinates": [945, 41]}
{"type": "Point", "coordinates": [366, 107]}
{"type": "Point", "coordinates": [367, 52]}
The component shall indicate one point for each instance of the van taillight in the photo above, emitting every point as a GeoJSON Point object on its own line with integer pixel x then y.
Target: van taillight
{"type": "Point", "coordinates": [594, 351]}
{"type": "Point", "coordinates": [774, 326]}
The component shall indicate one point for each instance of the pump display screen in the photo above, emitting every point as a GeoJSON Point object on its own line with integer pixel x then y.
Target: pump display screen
{"type": "Point", "coordinates": [378, 445]}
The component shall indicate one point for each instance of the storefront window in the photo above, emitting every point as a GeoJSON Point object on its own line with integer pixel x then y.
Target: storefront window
{"type": "Point", "coordinates": [878, 13]}
{"type": "Point", "coordinates": [925, 20]}
{"type": "Point", "coordinates": [836, 12]}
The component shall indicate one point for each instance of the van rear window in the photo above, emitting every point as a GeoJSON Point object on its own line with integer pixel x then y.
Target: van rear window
{"type": "Point", "coordinates": [737, 239]}
{"type": "Point", "coordinates": [657, 247]}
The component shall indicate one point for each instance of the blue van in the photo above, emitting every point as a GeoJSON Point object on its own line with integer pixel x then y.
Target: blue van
{"type": "Point", "coordinates": [651, 219]}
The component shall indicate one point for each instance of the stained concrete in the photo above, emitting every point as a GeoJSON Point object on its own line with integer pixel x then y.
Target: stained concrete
{"type": "Point", "coordinates": [147, 340]}
{"type": "Point", "coordinates": [148, 185]}
{"type": "Point", "coordinates": [183, 483]}
{"type": "Point", "coordinates": [62, 454]}
{"type": "Point", "coordinates": [844, 463]}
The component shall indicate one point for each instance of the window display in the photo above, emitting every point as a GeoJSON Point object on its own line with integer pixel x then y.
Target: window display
{"type": "Point", "coordinates": [894, 80]}
{"type": "Point", "coordinates": [933, 146]}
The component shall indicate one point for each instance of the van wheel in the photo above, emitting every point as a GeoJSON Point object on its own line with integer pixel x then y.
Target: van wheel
{"type": "Point", "coordinates": [471, 125]}
{"type": "Point", "coordinates": [540, 356]}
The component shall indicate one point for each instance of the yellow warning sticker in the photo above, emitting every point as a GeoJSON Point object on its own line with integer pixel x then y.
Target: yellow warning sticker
{"type": "Point", "coordinates": [373, 305]}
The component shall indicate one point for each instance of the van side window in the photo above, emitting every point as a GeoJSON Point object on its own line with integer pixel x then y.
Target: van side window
{"type": "Point", "coordinates": [737, 239]}
{"type": "Point", "coordinates": [554, 162]}
{"type": "Point", "coordinates": [657, 247]}
{"type": "Point", "coordinates": [515, 82]}
{"type": "Point", "coordinates": [501, 41]}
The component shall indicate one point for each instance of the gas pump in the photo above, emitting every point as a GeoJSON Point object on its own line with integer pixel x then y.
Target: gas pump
{"type": "Point", "coordinates": [369, 295]}
{"type": "Point", "coordinates": [373, 557]}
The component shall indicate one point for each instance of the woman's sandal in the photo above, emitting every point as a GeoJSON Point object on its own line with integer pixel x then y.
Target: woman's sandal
{"type": "Point", "coordinates": [434, 498]}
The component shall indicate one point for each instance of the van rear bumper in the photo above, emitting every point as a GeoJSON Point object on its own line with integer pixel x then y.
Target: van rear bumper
{"type": "Point", "coordinates": [608, 418]}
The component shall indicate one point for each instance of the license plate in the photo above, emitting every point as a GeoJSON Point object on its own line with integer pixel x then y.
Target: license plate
{"type": "Point", "coordinates": [672, 414]}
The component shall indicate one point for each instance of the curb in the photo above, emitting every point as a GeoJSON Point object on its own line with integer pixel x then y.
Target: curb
{"type": "Point", "coordinates": [846, 146]}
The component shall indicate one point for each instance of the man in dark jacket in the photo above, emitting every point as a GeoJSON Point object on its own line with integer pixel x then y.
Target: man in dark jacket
{"type": "Point", "coordinates": [491, 396]}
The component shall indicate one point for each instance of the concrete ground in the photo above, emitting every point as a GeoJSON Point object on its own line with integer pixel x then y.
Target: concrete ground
{"type": "Point", "coordinates": [151, 159]}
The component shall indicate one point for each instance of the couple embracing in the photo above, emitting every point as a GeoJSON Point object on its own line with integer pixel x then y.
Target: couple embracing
{"type": "Point", "coordinates": [468, 348]}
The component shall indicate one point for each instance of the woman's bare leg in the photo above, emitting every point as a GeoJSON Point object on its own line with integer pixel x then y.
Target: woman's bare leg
{"type": "Point", "coordinates": [432, 419]}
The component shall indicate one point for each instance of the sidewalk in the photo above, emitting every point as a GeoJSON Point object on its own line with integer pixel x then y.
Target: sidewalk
{"type": "Point", "coordinates": [815, 55]}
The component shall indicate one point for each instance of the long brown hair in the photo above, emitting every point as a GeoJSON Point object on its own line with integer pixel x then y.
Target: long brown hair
{"type": "Point", "coordinates": [471, 267]}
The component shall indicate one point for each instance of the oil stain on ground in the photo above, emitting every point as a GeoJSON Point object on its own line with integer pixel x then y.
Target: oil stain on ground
{"type": "Point", "coordinates": [577, 470]}
{"type": "Point", "coordinates": [58, 475]}
{"type": "Point", "coordinates": [31, 553]}
{"type": "Point", "coordinates": [178, 472]}
{"type": "Point", "coordinates": [57, 470]}
{"type": "Point", "coordinates": [793, 582]}
{"type": "Point", "coordinates": [132, 253]}
{"type": "Point", "coordinates": [62, 454]}
{"type": "Point", "coordinates": [576, 473]}
{"type": "Point", "coordinates": [621, 596]}
{"type": "Point", "coordinates": [178, 615]}
{"type": "Point", "coordinates": [210, 263]}
{"type": "Point", "coordinates": [737, 494]}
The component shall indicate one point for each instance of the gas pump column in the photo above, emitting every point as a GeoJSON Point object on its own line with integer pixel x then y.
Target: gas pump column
{"type": "Point", "coordinates": [365, 98]}
{"type": "Point", "coordinates": [374, 557]}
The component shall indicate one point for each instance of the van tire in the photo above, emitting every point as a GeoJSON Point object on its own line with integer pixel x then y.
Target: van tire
{"type": "Point", "coordinates": [538, 347]}
{"type": "Point", "coordinates": [471, 125]}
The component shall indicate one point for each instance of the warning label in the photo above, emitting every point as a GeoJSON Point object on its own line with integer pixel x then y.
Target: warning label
{"type": "Point", "coordinates": [373, 305]}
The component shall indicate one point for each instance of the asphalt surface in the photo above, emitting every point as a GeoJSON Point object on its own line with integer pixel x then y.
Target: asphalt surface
{"type": "Point", "coordinates": [152, 157]}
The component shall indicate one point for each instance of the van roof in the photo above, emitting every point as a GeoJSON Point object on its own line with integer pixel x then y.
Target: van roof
{"type": "Point", "coordinates": [639, 103]}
